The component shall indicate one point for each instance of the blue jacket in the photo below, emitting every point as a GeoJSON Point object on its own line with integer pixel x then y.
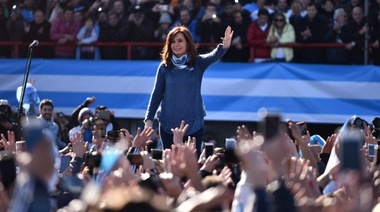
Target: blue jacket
{"type": "Point", "coordinates": [178, 93]}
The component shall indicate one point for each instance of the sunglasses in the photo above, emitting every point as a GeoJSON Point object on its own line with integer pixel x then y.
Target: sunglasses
{"type": "Point", "coordinates": [279, 20]}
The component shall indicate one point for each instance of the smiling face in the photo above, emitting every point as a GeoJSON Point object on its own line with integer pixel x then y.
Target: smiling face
{"type": "Point", "coordinates": [47, 112]}
{"type": "Point", "coordinates": [179, 45]}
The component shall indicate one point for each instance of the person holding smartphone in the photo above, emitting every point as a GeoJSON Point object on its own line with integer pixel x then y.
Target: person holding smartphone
{"type": "Point", "coordinates": [176, 93]}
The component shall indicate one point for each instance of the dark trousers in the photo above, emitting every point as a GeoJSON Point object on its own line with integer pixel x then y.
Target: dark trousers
{"type": "Point", "coordinates": [167, 139]}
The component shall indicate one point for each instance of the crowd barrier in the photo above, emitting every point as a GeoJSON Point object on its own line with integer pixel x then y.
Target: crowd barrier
{"type": "Point", "coordinates": [129, 45]}
{"type": "Point", "coordinates": [231, 91]}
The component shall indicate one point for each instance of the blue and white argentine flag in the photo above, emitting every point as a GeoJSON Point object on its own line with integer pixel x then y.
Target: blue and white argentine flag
{"type": "Point", "coordinates": [231, 91]}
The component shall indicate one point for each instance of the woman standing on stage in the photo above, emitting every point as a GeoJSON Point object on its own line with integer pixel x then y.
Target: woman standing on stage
{"type": "Point", "coordinates": [177, 88]}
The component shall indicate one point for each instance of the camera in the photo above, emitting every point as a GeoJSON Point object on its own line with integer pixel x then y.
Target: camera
{"type": "Point", "coordinates": [60, 114]}
{"type": "Point", "coordinates": [209, 149]}
{"type": "Point", "coordinates": [3, 116]}
{"type": "Point", "coordinates": [113, 135]}
{"type": "Point", "coordinates": [92, 159]}
{"type": "Point", "coordinates": [87, 123]}
{"type": "Point", "coordinates": [229, 151]}
{"type": "Point", "coordinates": [156, 154]}
{"type": "Point", "coordinates": [358, 123]}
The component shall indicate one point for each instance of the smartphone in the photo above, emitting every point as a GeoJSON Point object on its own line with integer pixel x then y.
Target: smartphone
{"type": "Point", "coordinates": [350, 152]}
{"type": "Point", "coordinates": [377, 158]}
{"type": "Point", "coordinates": [209, 148]}
{"type": "Point", "coordinates": [93, 159]}
{"type": "Point", "coordinates": [302, 126]}
{"type": "Point", "coordinates": [229, 152]}
{"type": "Point", "coordinates": [20, 146]}
{"type": "Point", "coordinates": [164, 7]}
{"type": "Point", "coordinates": [270, 124]}
{"type": "Point", "coordinates": [100, 127]}
{"type": "Point", "coordinates": [103, 114]}
{"type": "Point", "coordinates": [135, 159]}
{"type": "Point", "coordinates": [156, 154]}
{"type": "Point", "coordinates": [65, 163]}
{"type": "Point", "coordinates": [113, 135]}
{"type": "Point", "coordinates": [371, 150]}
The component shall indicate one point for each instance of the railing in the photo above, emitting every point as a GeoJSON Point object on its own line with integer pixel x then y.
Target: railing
{"type": "Point", "coordinates": [129, 45]}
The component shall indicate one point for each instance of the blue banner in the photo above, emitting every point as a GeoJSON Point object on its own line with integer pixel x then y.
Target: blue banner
{"type": "Point", "coordinates": [231, 91]}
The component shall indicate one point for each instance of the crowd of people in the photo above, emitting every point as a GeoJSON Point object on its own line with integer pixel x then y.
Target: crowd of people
{"type": "Point", "coordinates": [268, 22]}
{"type": "Point", "coordinates": [104, 167]}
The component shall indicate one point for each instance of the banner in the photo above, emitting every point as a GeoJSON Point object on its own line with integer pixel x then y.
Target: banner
{"type": "Point", "coordinates": [231, 91]}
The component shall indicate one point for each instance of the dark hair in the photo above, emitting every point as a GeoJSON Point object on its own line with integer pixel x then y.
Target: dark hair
{"type": "Point", "coordinates": [68, 8]}
{"type": "Point", "coordinates": [281, 15]}
{"type": "Point", "coordinates": [167, 53]}
{"type": "Point", "coordinates": [263, 11]}
{"type": "Point", "coordinates": [312, 4]}
{"type": "Point", "coordinates": [47, 102]}
{"type": "Point", "coordinates": [211, 4]}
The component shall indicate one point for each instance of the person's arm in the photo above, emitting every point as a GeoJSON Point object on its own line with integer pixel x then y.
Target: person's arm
{"type": "Point", "coordinates": [157, 94]}
{"type": "Point", "coordinates": [251, 36]}
{"type": "Point", "coordinates": [289, 35]}
{"type": "Point", "coordinates": [54, 31]}
{"type": "Point", "coordinates": [115, 124]}
{"type": "Point", "coordinates": [74, 115]}
{"type": "Point", "coordinates": [91, 39]}
{"type": "Point", "coordinates": [207, 59]}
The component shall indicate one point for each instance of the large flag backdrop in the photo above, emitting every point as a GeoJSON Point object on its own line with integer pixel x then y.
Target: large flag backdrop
{"type": "Point", "coordinates": [231, 91]}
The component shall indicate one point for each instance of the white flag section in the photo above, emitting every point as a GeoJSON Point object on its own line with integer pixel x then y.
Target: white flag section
{"type": "Point", "coordinates": [231, 91]}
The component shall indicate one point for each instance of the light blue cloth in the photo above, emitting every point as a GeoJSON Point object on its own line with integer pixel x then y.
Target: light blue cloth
{"type": "Point", "coordinates": [31, 99]}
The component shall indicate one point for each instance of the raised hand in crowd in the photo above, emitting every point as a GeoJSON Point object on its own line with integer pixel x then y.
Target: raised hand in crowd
{"type": "Point", "coordinates": [253, 163]}
{"type": "Point", "coordinates": [178, 133]}
{"type": "Point", "coordinates": [141, 139]}
{"type": "Point", "coordinates": [330, 141]}
{"type": "Point", "coordinates": [4, 198]}
{"type": "Point", "coordinates": [78, 145]}
{"type": "Point", "coordinates": [298, 173]}
{"type": "Point", "coordinates": [10, 144]}
{"type": "Point", "coordinates": [243, 133]}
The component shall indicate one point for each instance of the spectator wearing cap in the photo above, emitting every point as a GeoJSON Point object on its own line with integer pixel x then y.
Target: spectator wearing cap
{"type": "Point", "coordinates": [32, 184]}
{"type": "Point", "coordinates": [63, 31]}
{"type": "Point", "coordinates": [257, 34]}
{"type": "Point", "coordinates": [84, 114]}
{"type": "Point", "coordinates": [163, 28]}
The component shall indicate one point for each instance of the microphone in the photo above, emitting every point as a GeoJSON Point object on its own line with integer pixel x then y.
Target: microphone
{"type": "Point", "coordinates": [34, 43]}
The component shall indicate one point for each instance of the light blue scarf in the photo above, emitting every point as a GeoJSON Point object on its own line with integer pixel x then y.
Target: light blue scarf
{"type": "Point", "coordinates": [180, 62]}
